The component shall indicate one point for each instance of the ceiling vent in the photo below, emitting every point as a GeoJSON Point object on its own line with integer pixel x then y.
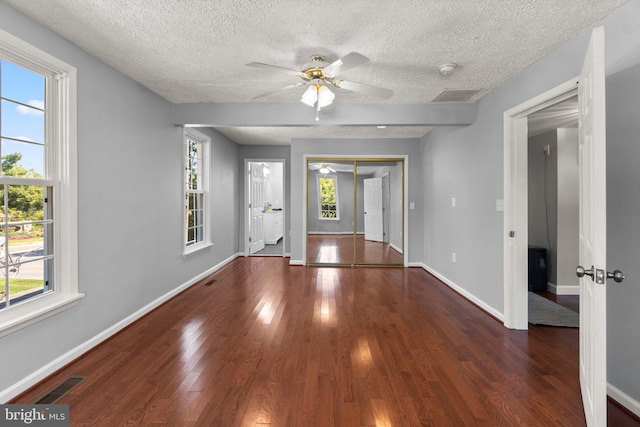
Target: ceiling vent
{"type": "Point", "coordinates": [455, 95]}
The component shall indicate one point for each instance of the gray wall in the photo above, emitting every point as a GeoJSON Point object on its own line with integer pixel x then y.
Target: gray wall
{"type": "Point", "coordinates": [364, 148]}
{"type": "Point", "coordinates": [130, 206]}
{"type": "Point", "coordinates": [468, 163]}
{"type": "Point", "coordinates": [543, 196]}
{"type": "Point", "coordinates": [567, 244]}
{"type": "Point", "coordinates": [623, 228]}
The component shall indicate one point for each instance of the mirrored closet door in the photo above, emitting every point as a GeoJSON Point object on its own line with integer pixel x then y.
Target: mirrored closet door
{"type": "Point", "coordinates": [355, 212]}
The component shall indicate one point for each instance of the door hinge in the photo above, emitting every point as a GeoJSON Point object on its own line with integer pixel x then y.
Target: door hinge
{"type": "Point", "coordinates": [512, 234]}
{"type": "Point", "coordinates": [249, 239]}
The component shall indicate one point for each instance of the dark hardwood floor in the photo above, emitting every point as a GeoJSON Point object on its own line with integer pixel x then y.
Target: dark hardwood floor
{"type": "Point", "coordinates": [338, 249]}
{"type": "Point", "coordinates": [267, 344]}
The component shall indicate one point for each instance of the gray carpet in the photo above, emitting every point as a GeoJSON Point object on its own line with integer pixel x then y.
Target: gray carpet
{"type": "Point", "coordinates": [545, 312]}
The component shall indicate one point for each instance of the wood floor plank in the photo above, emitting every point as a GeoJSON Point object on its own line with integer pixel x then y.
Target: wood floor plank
{"type": "Point", "coordinates": [268, 344]}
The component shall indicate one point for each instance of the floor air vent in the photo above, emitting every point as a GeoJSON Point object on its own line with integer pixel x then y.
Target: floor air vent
{"type": "Point", "coordinates": [63, 388]}
{"type": "Point", "coordinates": [210, 282]}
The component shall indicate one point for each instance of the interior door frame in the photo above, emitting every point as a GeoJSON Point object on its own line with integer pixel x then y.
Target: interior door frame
{"type": "Point", "coordinates": [245, 206]}
{"type": "Point", "coordinates": [515, 235]}
{"type": "Point", "coordinates": [368, 157]}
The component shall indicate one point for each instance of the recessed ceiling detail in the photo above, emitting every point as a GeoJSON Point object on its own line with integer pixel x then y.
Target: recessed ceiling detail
{"type": "Point", "coordinates": [455, 95]}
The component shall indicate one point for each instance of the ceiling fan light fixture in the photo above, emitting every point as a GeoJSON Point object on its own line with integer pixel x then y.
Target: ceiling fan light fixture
{"type": "Point", "coordinates": [310, 96]}
{"type": "Point", "coordinates": [325, 96]}
{"type": "Point", "coordinates": [324, 169]}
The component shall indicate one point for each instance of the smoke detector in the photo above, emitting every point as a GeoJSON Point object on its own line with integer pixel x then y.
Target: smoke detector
{"type": "Point", "coordinates": [446, 69]}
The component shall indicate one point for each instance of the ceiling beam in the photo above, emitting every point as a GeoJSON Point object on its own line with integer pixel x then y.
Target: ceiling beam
{"type": "Point", "coordinates": [268, 114]}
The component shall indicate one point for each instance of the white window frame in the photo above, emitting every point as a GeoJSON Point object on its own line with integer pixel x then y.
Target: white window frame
{"type": "Point", "coordinates": [61, 174]}
{"type": "Point", "coordinates": [335, 180]}
{"type": "Point", "coordinates": [205, 141]}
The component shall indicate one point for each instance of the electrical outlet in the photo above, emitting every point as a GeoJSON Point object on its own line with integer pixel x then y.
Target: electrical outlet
{"type": "Point", "coordinates": [453, 202]}
{"type": "Point", "coordinates": [453, 257]}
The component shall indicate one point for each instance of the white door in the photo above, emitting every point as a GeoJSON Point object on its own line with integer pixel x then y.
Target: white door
{"type": "Point", "coordinates": [373, 219]}
{"type": "Point", "coordinates": [593, 235]}
{"type": "Point", "coordinates": [256, 208]}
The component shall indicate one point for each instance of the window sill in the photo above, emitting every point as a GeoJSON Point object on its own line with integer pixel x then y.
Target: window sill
{"type": "Point", "coordinates": [195, 248]}
{"type": "Point", "coordinates": [27, 313]}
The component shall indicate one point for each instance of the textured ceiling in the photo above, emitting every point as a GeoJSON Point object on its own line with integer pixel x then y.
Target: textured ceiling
{"type": "Point", "coordinates": [196, 50]}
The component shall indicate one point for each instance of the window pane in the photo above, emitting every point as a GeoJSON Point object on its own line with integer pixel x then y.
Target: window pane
{"type": "Point", "coordinates": [20, 84]}
{"type": "Point", "coordinates": [22, 122]}
{"type": "Point", "coordinates": [26, 203]}
{"type": "Point", "coordinates": [22, 265]}
{"type": "Point", "coordinates": [22, 159]}
{"type": "Point", "coordinates": [195, 186]}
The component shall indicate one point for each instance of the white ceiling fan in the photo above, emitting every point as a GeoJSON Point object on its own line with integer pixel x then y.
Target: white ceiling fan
{"type": "Point", "coordinates": [319, 75]}
{"type": "Point", "coordinates": [321, 167]}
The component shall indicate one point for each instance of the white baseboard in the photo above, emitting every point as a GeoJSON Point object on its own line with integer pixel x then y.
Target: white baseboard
{"type": "Point", "coordinates": [331, 232]}
{"type": "Point", "coordinates": [624, 399]}
{"type": "Point", "coordinates": [566, 289]}
{"type": "Point", "coordinates": [296, 262]}
{"type": "Point", "coordinates": [397, 249]}
{"type": "Point", "coordinates": [51, 367]}
{"type": "Point", "coordinates": [492, 311]}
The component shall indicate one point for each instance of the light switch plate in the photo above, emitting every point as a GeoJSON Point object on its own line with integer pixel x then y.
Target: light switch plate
{"type": "Point", "coordinates": [500, 205]}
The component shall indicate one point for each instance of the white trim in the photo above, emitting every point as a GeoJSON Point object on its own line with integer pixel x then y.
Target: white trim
{"type": "Point", "coordinates": [563, 289]}
{"type": "Point", "coordinates": [397, 249]}
{"type": "Point", "coordinates": [332, 232]}
{"type": "Point", "coordinates": [51, 367]}
{"type": "Point", "coordinates": [467, 295]}
{"type": "Point", "coordinates": [624, 399]}
{"type": "Point", "coordinates": [296, 262]}
{"type": "Point", "coordinates": [205, 142]}
{"type": "Point", "coordinates": [61, 168]}
{"type": "Point", "coordinates": [515, 278]}
{"type": "Point", "coordinates": [188, 250]}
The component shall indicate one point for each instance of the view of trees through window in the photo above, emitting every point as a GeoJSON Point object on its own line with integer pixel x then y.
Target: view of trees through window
{"type": "Point", "coordinates": [194, 191]}
{"type": "Point", "coordinates": [25, 267]}
{"type": "Point", "coordinates": [328, 197]}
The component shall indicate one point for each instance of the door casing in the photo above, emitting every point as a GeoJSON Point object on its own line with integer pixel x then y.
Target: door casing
{"type": "Point", "coordinates": [246, 212]}
{"type": "Point", "coordinates": [516, 311]}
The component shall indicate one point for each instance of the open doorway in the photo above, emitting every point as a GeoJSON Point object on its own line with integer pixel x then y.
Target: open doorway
{"type": "Point", "coordinates": [553, 214]}
{"type": "Point", "coordinates": [264, 224]}
{"type": "Point", "coordinates": [516, 193]}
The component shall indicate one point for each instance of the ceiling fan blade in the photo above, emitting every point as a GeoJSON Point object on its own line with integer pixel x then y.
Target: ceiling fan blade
{"type": "Point", "coordinates": [271, 92]}
{"type": "Point", "coordinates": [350, 60]}
{"type": "Point", "coordinates": [363, 88]}
{"type": "Point", "coordinates": [275, 68]}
